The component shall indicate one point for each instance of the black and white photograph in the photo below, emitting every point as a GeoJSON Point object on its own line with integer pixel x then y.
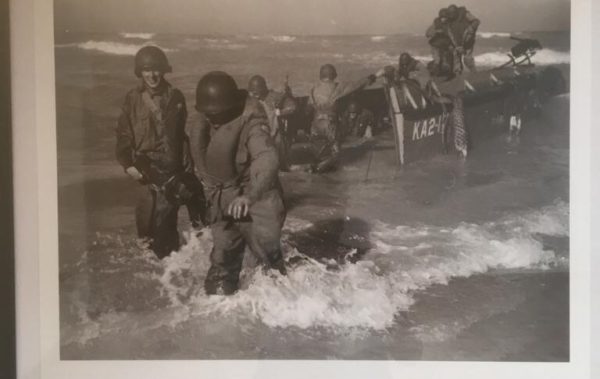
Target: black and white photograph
{"type": "Point", "coordinates": [383, 180]}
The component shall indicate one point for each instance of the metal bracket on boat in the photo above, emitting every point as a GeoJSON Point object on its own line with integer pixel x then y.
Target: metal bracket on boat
{"type": "Point", "coordinates": [469, 86]}
{"type": "Point", "coordinates": [409, 96]}
{"type": "Point", "coordinates": [495, 80]}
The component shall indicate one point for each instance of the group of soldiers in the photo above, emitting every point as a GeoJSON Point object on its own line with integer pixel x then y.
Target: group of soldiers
{"type": "Point", "coordinates": [452, 39]}
{"type": "Point", "coordinates": [226, 170]}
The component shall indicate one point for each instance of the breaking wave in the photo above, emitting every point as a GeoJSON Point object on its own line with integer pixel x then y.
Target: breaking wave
{"type": "Point", "coordinates": [109, 47]}
{"type": "Point", "coordinates": [283, 38]}
{"type": "Point", "coordinates": [494, 34]}
{"type": "Point", "coordinates": [222, 44]}
{"type": "Point", "coordinates": [320, 293]}
{"type": "Point", "coordinates": [137, 35]}
{"type": "Point", "coordinates": [542, 57]}
{"type": "Point", "coordinates": [378, 38]}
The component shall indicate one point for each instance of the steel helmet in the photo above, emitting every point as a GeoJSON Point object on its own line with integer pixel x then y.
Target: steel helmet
{"type": "Point", "coordinates": [327, 72]}
{"type": "Point", "coordinates": [257, 87]}
{"type": "Point", "coordinates": [452, 12]}
{"type": "Point", "coordinates": [217, 92]}
{"type": "Point", "coordinates": [151, 57]}
{"type": "Point", "coordinates": [405, 60]}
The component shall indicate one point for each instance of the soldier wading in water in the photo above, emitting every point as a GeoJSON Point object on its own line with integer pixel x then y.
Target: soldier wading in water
{"type": "Point", "coordinates": [237, 163]}
{"type": "Point", "coordinates": [153, 149]}
{"type": "Point", "coordinates": [324, 133]}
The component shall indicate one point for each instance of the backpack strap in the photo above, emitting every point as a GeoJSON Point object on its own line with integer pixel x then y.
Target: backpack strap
{"type": "Point", "coordinates": [154, 110]}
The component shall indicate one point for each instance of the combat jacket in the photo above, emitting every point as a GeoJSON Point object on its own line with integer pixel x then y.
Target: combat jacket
{"type": "Point", "coordinates": [324, 95]}
{"type": "Point", "coordinates": [158, 136]}
{"type": "Point", "coordinates": [237, 158]}
{"type": "Point", "coordinates": [277, 100]}
{"type": "Point", "coordinates": [358, 125]}
{"type": "Point", "coordinates": [462, 30]}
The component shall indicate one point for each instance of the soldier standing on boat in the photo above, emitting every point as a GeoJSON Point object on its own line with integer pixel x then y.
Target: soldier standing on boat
{"type": "Point", "coordinates": [452, 39]}
{"type": "Point", "coordinates": [238, 165]}
{"type": "Point", "coordinates": [440, 43]}
{"type": "Point", "coordinates": [323, 102]}
{"type": "Point", "coordinates": [462, 29]}
{"type": "Point", "coordinates": [153, 149]}
{"type": "Point", "coordinates": [278, 106]}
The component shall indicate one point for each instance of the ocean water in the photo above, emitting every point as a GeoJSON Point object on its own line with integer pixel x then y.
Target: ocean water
{"type": "Point", "coordinates": [441, 259]}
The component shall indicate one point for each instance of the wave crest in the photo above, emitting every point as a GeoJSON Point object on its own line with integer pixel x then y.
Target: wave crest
{"type": "Point", "coordinates": [493, 34]}
{"type": "Point", "coordinates": [109, 47]}
{"type": "Point", "coordinates": [137, 35]}
{"type": "Point", "coordinates": [283, 38]}
{"type": "Point", "coordinates": [542, 57]}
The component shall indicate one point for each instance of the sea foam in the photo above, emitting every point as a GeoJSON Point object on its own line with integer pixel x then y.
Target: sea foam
{"type": "Point", "coordinates": [137, 35]}
{"type": "Point", "coordinates": [316, 293]}
{"type": "Point", "coordinates": [493, 34]}
{"type": "Point", "coordinates": [109, 47]}
{"type": "Point", "coordinates": [542, 57]}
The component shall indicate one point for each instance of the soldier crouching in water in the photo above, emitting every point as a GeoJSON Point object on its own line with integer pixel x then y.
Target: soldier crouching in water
{"type": "Point", "coordinates": [324, 128]}
{"type": "Point", "coordinates": [238, 165]}
{"type": "Point", "coordinates": [277, 106]}
{"type": "Point", "coordinates": [153, 148]}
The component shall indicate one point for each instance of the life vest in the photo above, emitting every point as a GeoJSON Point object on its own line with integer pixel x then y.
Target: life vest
{"type": "Point", "coordinates": [226, 160]}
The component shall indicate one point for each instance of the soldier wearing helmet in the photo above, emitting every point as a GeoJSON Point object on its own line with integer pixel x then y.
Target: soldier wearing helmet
{"type": "Point", "coordinates": [238, 165]}
{"type": "Point", "coordinates": [357, 121]}
{"type": "Point", "coordinates": [461, 30]}
{"type": "Point", "coordinates": [324, 128]}
{"type": "Point", "coordinates": [439, 41]}
{"type": "Point", "coordinates": [153, 148]}
{"type": "Point", "coordinates": [278, 106]}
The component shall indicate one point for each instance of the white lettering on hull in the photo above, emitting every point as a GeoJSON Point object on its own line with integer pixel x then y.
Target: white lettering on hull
{"type": "Point", "coordinates": [429, 127]}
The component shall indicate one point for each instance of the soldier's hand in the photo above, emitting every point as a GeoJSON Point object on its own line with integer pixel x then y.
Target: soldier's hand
{"type": "Point", "coordinates": [239, 207]}
{"type": "Point", "coordinates": [134, 173]}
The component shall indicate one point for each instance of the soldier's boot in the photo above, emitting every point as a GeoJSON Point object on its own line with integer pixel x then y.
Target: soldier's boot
{"type": "Point", "coordinates": [226, 259]}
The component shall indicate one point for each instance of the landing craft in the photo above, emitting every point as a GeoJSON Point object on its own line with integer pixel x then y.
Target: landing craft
{"type": "Point", "coordinates": [422, 128]}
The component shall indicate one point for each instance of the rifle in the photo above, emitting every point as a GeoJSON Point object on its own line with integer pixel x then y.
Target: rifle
{"type": "Point", "coordinates": [182, 188]}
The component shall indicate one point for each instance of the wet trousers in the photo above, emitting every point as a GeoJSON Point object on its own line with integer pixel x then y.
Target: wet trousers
{"type": "Point", "coordinates": [325, 144]}
{"type": "Point", "coordinates": [283, 147]}
{"type": "Point", "coordinates": [261, 232]}
{"type": "Point", "coordinates": [156, 219]}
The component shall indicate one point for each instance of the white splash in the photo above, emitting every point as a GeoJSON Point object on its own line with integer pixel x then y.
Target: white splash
{"type": "Point", "coordinates": [494, 34]}
{"type": "Point", "coordinates": [364, 295]}
{"type": "Point", "coordinates": [542, 57]}
{"type": "Point", "coordinates": [404, 260]}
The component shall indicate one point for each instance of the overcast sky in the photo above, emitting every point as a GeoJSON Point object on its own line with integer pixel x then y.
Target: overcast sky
{"type": "Point", "coordinates": [300, 16]}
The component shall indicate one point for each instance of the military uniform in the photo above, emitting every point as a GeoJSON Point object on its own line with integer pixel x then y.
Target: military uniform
{"type": "Point", "coordinates": [357, 126]}
{"type": "Point", "coordinates": [440, 43]}
{"type": "Point", "coordinates": [286, 105]}
{"type": "Point", "coordinates": [234, 159]}
{"type": "Point", "coordinates": [151, 137]}
{"type": "Point", "coordinates": [462, 32]}
{"type": "Point", "coordinates": [324, 127]}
